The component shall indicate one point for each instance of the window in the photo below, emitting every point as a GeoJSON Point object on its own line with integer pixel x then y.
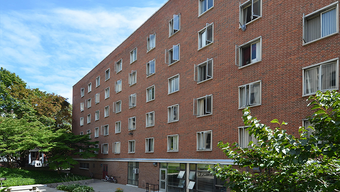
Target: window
{"type": "Point", "coordinates": [132, 123]}
{"type": "Point", "coordinates": [88, 132]}
{"type": "Point", "coordinates": [150, 68]}
{"type": "Point", "coordinates": [204, 141]}
{"type": "Point", "coordinates": [96, 115]}
{"type": "Point", "coordinates": [118, 106]}
{"type": "Point", "coordinates": [150, 119]}
{"type": "Point", "coordinates": [250, 94]}
{"type": "Point", "coordinates": [97, 147]}
{"type": "Point", "coordinates": [118, 127]}
{"type": "Point", "coordinates": [81, 121]}
{"type": "Point", "coordinates": [151, 42]}
{"type": "Point", "coordinates": [81, 133]}
{"type": "Point", "coordinates": [173, 113]}
{"type": "Point", "coordinates": [131, 146]}
{"type": "Point", "coordinates": [132, 100]}
{"type": "Point", "coordinates": [119, 86]}
{"type": "Point", "coordinates": [97, 98]}
{"type": "Point", "coordinates": [173, 143]}
{"type": "Point", "coordinates": [149, 145]}
{"type": "Point", "coordinates": [205, 5]}
{"type": "Point", "coordinates": [82, 106]}
{"type": "Point", "coordinates": [174, 25]}
{"type": "Point", "coordinates": [88, 120]}
{"type": "Point", "coordinates": [105, 148]}
{"type": "Point", "coordinates": [249, 52]}
{"type": "Point", "coordinates": [107, 92]}
{"type": "Point", "coordinates": [88, 103]}
{"type": "Point", "coordinates": [89, 87]}
{"type": "Point", "coordinates": [98, 81]}
{"type": "Point", "coordinates": [173, 54]}
{"type": "Point", "coordinates": [133, 78]}
{"type": "Point", "coordinates": [250, 11]}
{"type": "Point", "coordinates": [203, 106]}
{"type": "Point", "coordinates": [106, 111]}
{"type": "Point", "coordinates": [321, 23]}
{"type": "Point", "coordinates": [133, 55]}
{"type": "Point", "coordinates": [323, 76]}
{"type": "Point", "coordinates": [116, 148]}
{"type": "Point", "coordinates": [82, 92]}
{"type": "Point", "coordinates": [119, 65]}
{"type": "Point", "coordinates": [96, 132]}
{"type": "Point", "coordinates": [150, 93]}
{"type": "Point", "coordinates": [306, 124]}
{"type": "Point", "coordinates": [206, 36]}
{"type": "Point", "coordinates": [84, 165]}
{"type": "Point", "coordinates": [204, 71]}
{"type": "Point", "coordinates": [107, 74]}
{"type": "Point", "coordinates": [244, 138]}
{"type": "Point", "coordinates": [173, 85]}
{"type": "Point", "coordinates": [105, 130]}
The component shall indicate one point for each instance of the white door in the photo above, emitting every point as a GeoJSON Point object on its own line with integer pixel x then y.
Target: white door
{"type": "Point", "coordinates": [162, 179]}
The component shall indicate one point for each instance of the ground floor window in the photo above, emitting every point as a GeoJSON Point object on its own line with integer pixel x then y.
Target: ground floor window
{"type": "Point", "coordinates": [201, 180]}
{"type": "Point", "coordinates": [133, 173]}
{"type": "Point", "coordinates": [175, 176]}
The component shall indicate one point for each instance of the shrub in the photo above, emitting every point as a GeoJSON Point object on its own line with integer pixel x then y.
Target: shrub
{"type": "Point", "coordinates": [119, 190]}
{"type": "Point", "coordinates": [83, 188]}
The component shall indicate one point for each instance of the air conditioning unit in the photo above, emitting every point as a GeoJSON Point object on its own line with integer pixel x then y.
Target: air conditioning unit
{"type": "Point", "coordinates": [135, 171]}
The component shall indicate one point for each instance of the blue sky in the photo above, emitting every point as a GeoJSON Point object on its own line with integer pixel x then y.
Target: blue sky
{"type": "Point", "coordinates": [52, 44]}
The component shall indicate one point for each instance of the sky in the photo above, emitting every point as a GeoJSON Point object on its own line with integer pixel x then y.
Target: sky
{"type": "Point", "coordinates": [52, 44]}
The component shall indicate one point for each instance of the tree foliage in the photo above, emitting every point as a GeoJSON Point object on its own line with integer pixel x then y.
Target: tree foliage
{"type": "Point", "coordinates": [287, 163]}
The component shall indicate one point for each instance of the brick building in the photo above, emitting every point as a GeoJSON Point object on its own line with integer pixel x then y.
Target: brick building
{"type": "Point", "coordinates": [160, 102]}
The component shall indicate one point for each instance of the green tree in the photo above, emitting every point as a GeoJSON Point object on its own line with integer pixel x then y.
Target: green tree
{"type": "Point", "coordinates": [287, 163]}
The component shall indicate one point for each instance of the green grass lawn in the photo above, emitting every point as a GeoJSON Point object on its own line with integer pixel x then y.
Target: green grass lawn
{"type": "Point", "coordinates": [16, 177]}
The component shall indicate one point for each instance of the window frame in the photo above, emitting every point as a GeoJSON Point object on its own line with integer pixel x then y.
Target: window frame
{"type": "Point", "coordinates": [148, 71]}
{"type": "Point", "coordinates": [119, 66]}
{"type": "Point", "coordinates": [169, 144]}
{"type": "Point", "coordinates": [97, 81]}
{"type": "Point", "coordinates": [97, 147]}
{"type": "Point", "coordinates": [97, 98]}
{"type": "Point", "coordinates": [320, 11]}
{"type": "Point", "coordinates": [107, 93]}
{"type": "Point", "coordinates": [150, 43]}
{"type": "Point", "coordinates": [133, 55]}
{"type": "Point", "coordinates": [88, 118]}
{"type": "Point", "coordinates": [199, 140]}
{"type": "Point", "coordinates": [131, 98]}
{"type": "Point", "coordinates": [172, 30]}
{"type": "Point", "coordinates": [131, 82]}
{"type": "Point", "coordinates": [96, 132]}
{"type": "Point", "coordinates": [130, 121]}
{"type": "Point", "coordinates": [170, 84]}
{"type": "Point", "coordinates": [245, 144]}
{"type": "Point", "coordinates": [89, 87]}
{"type": "Point", "coordinates": [336, 60]}
{"type": "Point", "coordinates": [147, 93]}
{"type": "Point", "coordinates": [114, 147]}
{"type": "Point", "coordinates": [102, 148]}
{"type": "Point", "coordinates": [171, 111]}
{"type": "Point", "coordinates": [81, 121]}
{"type": "Point", "coordinates": [130, 144]}
{"type": "Point", "coordinates": [82, 106]}
{"type": "Point", "coordinates": [247, 102]}
{"type": "Point", "coordinates": [82, 92]}
{"type": "Point", "coordinates": [200, 12]}
{"type": "Point", "coordinates": [147, 123]}
{"type": "Point", "coordinates": [239, 53]}
{"type": "Point", "coordinates": [200, 36]}
{"type": "Point", "coordinates": [88, 103]}
{"type": "Point", "coordinates": [119, 88]}
{"type": "Point", "coordinates": [105, 132]}
{"type": "Point", "coordinates": [245, 5]}
{"type": "Point", "coordinates": [97, 115]}
{"type": "Point", "coordinates": [107, 74]}
{"type": "Point", "coordinates": [88, 132]}
{"type": "Point", "coordinates": [106, 111]}
{"type": "Point", "coordinates": [169, 55]}
{"type": "Point", "coordinates": [148, 148]}
{"type": "Point", "coordinates": [196, 106]}
{"type": "Point", "coordinates": [118, 129]}
{"type": "Point", "coordinates": [120, 106]}
{"type": "Point", "coordinates": [197, 71]}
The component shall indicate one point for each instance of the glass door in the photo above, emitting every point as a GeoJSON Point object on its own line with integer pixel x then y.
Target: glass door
{"type": "Point", "coordinates": [162, 179]}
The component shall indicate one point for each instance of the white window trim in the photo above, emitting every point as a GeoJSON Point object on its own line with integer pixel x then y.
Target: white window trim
{"type": "Point", "coordinates": [95, 98]}
{"type": "Point", "coordinates": [241, 11]}
{"type": "Point", "coordinates": [211, 142]}
{"type": "Point", "coordinates": [321, 10]}
{"type": "Point", "coordinates": [96, 115]}
{"type": "Point", "coordinates": [108, 130]}
{"type": "Point", "coordinates": [239, 102]}
{"type": "Point", "coordinates": [97, 147]}
{"type": "Point", "coordinates": [87, 103]}
{"type": "Point", "coordinates": [173, 121]}
{"type": "Point", "coordinates": [88, 132]}
{"type": "Point", "coordinates": [120, 128]}
{"type": "Point", "coordinates": [134, 143]}
{"type": "Point", "coordinates": [81, 121]}
{"type": "Point", "coordinates": [121, 66]}
{"type": "Point", "coordinates": [238, 52]}
{"type": "Point", "coordinates": [82, 107]}
{"type": "Point", "coordinates": [107, 94]}
{"type": "Point", "coordinates": [169, 93]}
{"type": "Point", "coordinates": [96, 132]}
{"type": "Point", "coordinates": [148, 49]}
{"type": "Point", "coordinates": [109, 74]}
{"type": "Point", "coordinates": [319, 64]}
{"type": "Point", "coordinates": [132, 61]}
{"type": "Point", "coordinates": [114, 147]}
{"type": "Point", "coordinates": [196, 67]}
{"type": "Point", "coordinates": [196, 105]}
{"type": "Point", "coordinates": [200, 38]}
{"type": "Point", "coordinates": [148, 64]}
{"type": "Point", "coordinates": [103, 152]}
{"type": "Point", "coordinates": [167, 57]}
{"type": "Point", "coordinates": [89, 87]}
{"type": "Point", "coordinates": [239, 136]}
{"type": "Point", "coordinates": [130, 98]}
{"type": "Point", "coordinates": [88, 118]}
{"type": "Point", "coordinates": [82, 92]}
{"type": "Point", "coordinates": [121, 88]}
{"type": "Point", "coordinates": [115, 108]}
{"type": "Point", "coordinates": [147, 145]}
{"type": "Point", "coordinates": [146, 119]}
{"type": "Point", "coordinates": [130, 79]}
{"type": "Point", "coordinates": [154, 95]}
{"type": "Point", "coordinates": [199, 8]}
{"type": "Point", "coordinates": [177, 138]}
{"type": "Point", "coordinates": [97, 81]}
{"type": "Point", "coordinates": [130, 119]}
{"type": "Point", "coordinates": [172, 29]}
{"type": "Point", "coordinates": [108, 111]}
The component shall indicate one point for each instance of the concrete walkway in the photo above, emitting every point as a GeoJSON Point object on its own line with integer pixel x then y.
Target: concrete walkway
{"type": "Point", "coordinates": [98, 186]}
